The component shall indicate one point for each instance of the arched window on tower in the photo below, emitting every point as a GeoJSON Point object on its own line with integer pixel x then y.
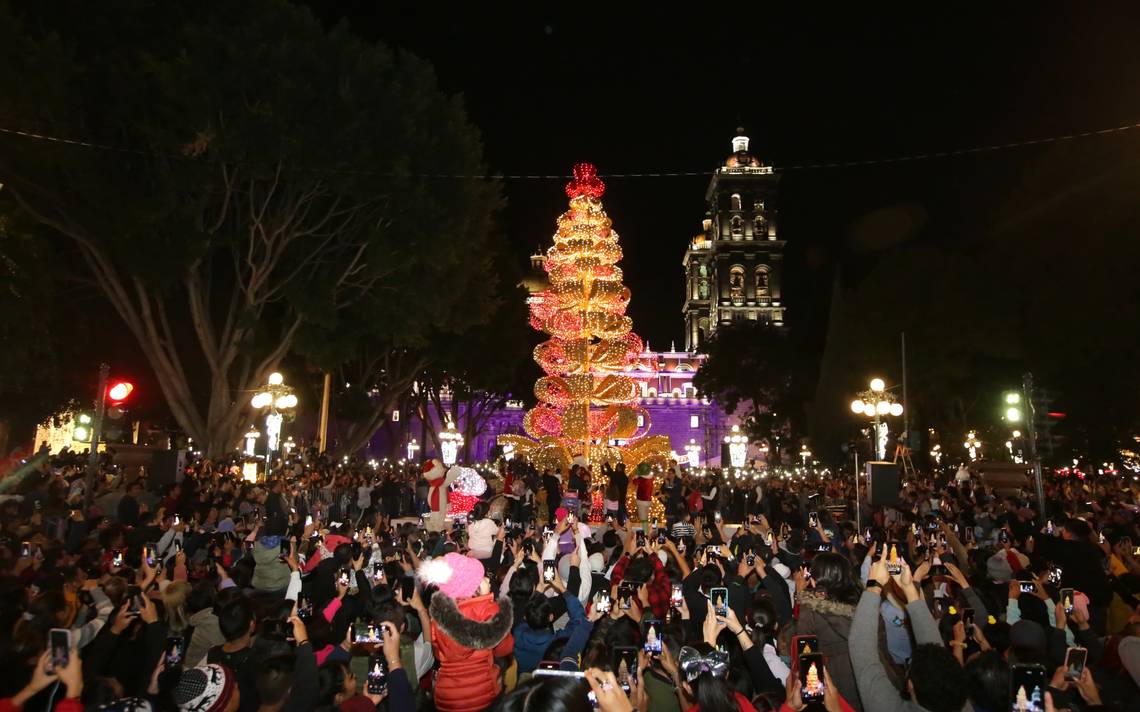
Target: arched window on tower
{"type": "Point", "coordinates": [736, 201]}
{"type": "Point", "coordinates": [736, 225]}
{"type": "Point", "coordinates": [736, 284]}
{"type": "Point", "coordinates": [762, 278]}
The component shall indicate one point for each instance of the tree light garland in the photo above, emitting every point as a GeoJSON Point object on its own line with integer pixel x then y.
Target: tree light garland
{"type": "Point", "coordinates": [584, 401]}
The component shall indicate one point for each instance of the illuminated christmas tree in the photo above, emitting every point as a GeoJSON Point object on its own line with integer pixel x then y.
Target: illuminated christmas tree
{"type": "Point", "coordinates": [588, 411]}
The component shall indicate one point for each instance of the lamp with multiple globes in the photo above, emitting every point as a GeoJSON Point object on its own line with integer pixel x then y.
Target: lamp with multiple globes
{"type": "Point", "coordinates": [737, 447]}
{"type": "Point", "coordinates": [693, 450]}
{"type": "Point", "coordinates": [450, 440]}
{"type": "Point", "coordinates": [877, 402]}
{"type": "Point", "coordinates": [276, 397]}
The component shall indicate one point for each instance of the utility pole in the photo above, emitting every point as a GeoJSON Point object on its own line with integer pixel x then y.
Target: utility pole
{"type": "Point", "coordinates": [905, 402]}
{"type": "Point", "coordinates": [324, 427]}
{"type": "Point", "coordinates": [96, 435]}
{"type": "Point", "coordinates": [1031, 432]}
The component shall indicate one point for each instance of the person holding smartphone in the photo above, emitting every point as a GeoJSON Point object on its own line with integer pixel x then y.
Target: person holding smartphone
{"type": "Point", "coordinates": [936, 680]}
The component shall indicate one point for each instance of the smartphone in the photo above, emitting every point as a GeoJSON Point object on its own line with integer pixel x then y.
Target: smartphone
{"type": "Point", "coordinates": [624, 663]}
{"type": "Point", "coordinates": [407, 587]}
{"type": "Point", "coordinates": [640, 539]}
{"type": "Point", "coordinates": [378, 571]}
{"type": "Point", "coordinates": [1028, 587]}
{"type": "Point", "coordinates": [1049, 527]}
{"type": "Point", "coordinates": [676, 596]}
{"type": "Point", "coordinates": [1027, 688]}
{"type": "Point", "coordinates": [968, 620]}
{"type": "Point", "coordinates": [548, 570]}
{"type": "Point", "coordinates": [507, 523]}
{"type": "Point", "coordinates": [750, 559]}
{"type": "Point", "coordinates": [625, 596]}
{"type": "Point", "coordinates": [651, 640]}
{"type": "Point", "coordinates": [1055, 575]}
{"type": "Point", "coordinates": [717, 517]}
{"type": "Point", "coordinates": [309, 521]}
{"type": "Point", "coordinates": [1067, 599]}
{"type": "Point", "coordinates": [59, 643]}
{"type": "Point", "coordinates": [343, 578]}
{"type": "Point", "coordinates": [149, 553]}
{"type": "Point", "coordinates": [1075, 660]}
{"type": "Point", "coordinates": [811, 677]}
{"type": "Point", "coordinates": [377, 673]}
{"type": "Point", "coordinates": [174, 651]}
{"type": "Point", "coordinates": [117, 558]}
{"type": "Point", "coordinates": [177, 521]}
{"type": "Point", "coordinates": [969, 535]}
{"type": "Point", "coordinates": [26, 550]}
{"type": "Point", "coordinates": [366, 633]}
{"type": "Point", "coordinates": [660, 538]}
{"type": "Point", "coordinates": [719, 598]}
{"type": "Point", "coordinates": [768, 538]}
{"type": "Point", "coordinates": [304, 608]}
{"type": "Point", "coordinates": [602, 602]}
{"type": "Point", "coordinates": [813, 520]}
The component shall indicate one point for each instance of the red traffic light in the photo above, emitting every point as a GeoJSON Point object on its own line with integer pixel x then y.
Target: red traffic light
{"type": "Point", "coordinates": [120, 391]}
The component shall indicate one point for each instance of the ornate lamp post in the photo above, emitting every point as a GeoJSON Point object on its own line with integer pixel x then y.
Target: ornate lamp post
{"type": "Point", "coordinates": [450, 440]}
{"type": "Point", "coordinates": [413, 448]}
{"type": "Point", "coordinates": [737, 447]}
{"type": "Point", "coordinates": [694, 452]}
{"type": "Point", "coordinates": [276, 397]}
{"type": "Point", "coordinates": [973, 445]}
{"type": "Point", "coordinates": [876, 403]}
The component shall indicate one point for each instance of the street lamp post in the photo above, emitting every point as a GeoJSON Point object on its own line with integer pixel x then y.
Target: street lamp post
{"type": "Point", "coordinates": [450, 440]}
{"type": "Point", "coordinates": [413, 446]}
{"type": "Point", "coordinates": [876, 403]}
{"type": "Point", "coordinates": [737, 447]}
{"type": "Point", "coordinates": [276, 397]}
{"type": "Point", "coordinates": [694, 452]}
{"type": "Point", "coordinates": [972, 444]}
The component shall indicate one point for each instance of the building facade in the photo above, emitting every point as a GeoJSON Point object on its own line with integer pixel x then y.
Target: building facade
{"type": "Point", "coordinates": [733, 268]}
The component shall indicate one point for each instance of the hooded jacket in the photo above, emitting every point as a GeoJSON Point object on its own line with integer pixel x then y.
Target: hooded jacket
{"type": "Point", "coordinates": [270, 573]}
{"type": "Point", "coordinates": [206, 635]}
{"type": "Point", "coordinates": [466, 637]}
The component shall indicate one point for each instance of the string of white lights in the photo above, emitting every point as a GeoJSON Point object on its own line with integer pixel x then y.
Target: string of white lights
{"type": "Point", "coordinates": [31, 135]}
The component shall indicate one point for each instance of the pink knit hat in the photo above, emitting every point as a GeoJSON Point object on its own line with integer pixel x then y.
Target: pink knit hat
{"type": "Point", "coordinates": [455, 575]}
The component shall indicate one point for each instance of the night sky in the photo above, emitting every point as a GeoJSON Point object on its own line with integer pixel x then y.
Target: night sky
{"type": "Point", "coordinates": [662, 90]}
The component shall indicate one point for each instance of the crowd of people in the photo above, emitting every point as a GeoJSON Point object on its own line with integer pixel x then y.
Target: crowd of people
{"type": "Point", "coordinates": [320, 588]}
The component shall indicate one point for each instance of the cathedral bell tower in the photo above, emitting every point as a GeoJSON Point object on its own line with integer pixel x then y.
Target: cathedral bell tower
{"type": "Point", "coordinates": [734, 265]}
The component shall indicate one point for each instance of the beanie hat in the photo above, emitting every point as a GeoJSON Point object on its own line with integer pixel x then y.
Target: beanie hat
{"type": "Point", "coordinates": [1028, 635]}
{"type": "Point", "coordinates": [455, 575]}
{"type": "Point", "coordinates": [204, 689]}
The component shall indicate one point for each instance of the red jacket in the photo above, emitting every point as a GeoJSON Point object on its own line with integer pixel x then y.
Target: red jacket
{"type": "Point", "coordinates": [645, 489]}
{"type": "Point", "coordinates": [466, 637]}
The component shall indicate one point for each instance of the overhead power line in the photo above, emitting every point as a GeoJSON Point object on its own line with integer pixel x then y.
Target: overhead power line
{"type": "Point", "coordinates": [989, 148]}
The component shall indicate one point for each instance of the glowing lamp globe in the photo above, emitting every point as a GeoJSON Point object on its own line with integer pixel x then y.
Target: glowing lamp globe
{"type": "Point", "coordinates": [869, 409]}
{"type": "Point", "coordinates": [877, 385]}
{"type": "Point", "coordinates": [857, 406]}
{"type": "Point", "coordinates": [276, 379]}
{"type": "Point", "coordinates": [883, 407]}
{"type": "Point", "coordinates": [896, 409]}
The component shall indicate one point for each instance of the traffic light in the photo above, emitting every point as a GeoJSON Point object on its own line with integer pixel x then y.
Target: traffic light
{"type": "Point", "coordinates": [1046, 417]}
{"type": "Point", "coordinates": [81, 433]}
{"type": "Point", "coordinates": [1012, 409]}
{"type": "Point", "coordinates": [119, 392]}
